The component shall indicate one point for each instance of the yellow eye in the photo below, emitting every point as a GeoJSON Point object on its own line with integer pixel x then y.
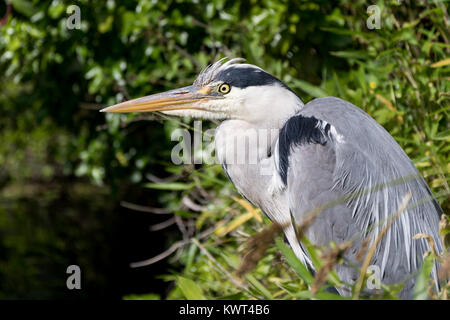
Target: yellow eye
{"type": "Point", "coordinates": [224, 88]}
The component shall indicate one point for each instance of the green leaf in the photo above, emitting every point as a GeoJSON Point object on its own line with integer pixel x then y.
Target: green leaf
{"type": "Point", "coordinates": [294, 262]}
{"type": "Point", "coordinates": [191, 256]}
{"type": "Point", "coordinates": [146, 296]}
{"type": "Point", "coordinates": [174, 186]}
{"type": "Point", "coordinates": [420, 290]}
{"type": "Point", "coordinates": [444, 135]}
{"type": "Point", "coordinates": [24, 7]}
{"type": "Point", "coordinates": [190, 289]}
{"type": "Point", "coordinates": [234, 296]}
{"type": "Point", "coordinates": [320, 295]}
{"type": "Point", "coordinates": [310, 89]}
{"type": "Point", "coordinates": [258, 286]}
{"type": "Point", "coordinates": [314, 254]}
{"type": "Point", "coordinates": [347, 32]}
{"type": "Point", "coordinates": [351, 54]}
{"type": "Point", "coordinates": [106, 25]}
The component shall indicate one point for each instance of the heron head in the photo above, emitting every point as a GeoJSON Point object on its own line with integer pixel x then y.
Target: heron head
{"type": "Point", "coordinates": [224, 90]}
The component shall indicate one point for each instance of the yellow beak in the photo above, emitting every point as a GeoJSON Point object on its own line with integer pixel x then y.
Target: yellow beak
{"type": "Point", "coordinates": [178, 99]}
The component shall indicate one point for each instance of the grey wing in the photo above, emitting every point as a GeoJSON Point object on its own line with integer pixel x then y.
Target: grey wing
{"type": "Point", "coordinates": [348, 155]}
{"type": "Point", "coordinates": [310, 185]}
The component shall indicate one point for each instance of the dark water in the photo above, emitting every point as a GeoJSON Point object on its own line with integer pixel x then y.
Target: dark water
{"type": "Point", "coordinates": [44, 228]}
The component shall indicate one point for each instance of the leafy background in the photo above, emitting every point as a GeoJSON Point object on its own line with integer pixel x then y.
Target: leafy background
{"type": "Point", "coordinates": [79, 187]}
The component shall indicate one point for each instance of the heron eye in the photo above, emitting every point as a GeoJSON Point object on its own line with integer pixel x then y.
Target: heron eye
{"type": "Point", "coordinates": [224, 88]}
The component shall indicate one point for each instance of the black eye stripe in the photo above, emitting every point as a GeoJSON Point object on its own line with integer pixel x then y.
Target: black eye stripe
{"type": "Point", "coordinates": [243, 77]}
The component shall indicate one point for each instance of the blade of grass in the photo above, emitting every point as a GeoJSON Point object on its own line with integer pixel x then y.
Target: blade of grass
{"type": "Point", "coordinates": [234, 224]}
{"type": "Point", "coordinates": [310, 89]}
{"type": "Point", "coordinates": [420, 290]}
{"type": "Point", "coordinates": [249, 208]}
{"type": "Point", "coordinates": [294, 262]}
{"type": "Point", "coordinates": [258, 286]}
{"type": "Point", "coordinates": [190, 289]}
{"type": "Point", "coordinates": [172, 186]}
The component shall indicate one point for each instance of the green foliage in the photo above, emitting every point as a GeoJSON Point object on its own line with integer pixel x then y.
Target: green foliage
{"type": "Point", "coordinates": [149, 296]}
{"type": "Point", "coordinates": [420, 290]}
{"type": "Point", "coordinates": [190, 289]}
{"type": "Point", "coordinates": [54, 80]}
{"type": "Point", "coordinates": [294, 263]}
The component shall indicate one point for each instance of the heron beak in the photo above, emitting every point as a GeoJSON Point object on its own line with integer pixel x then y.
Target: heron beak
{"type": "Point", "coordinates": [178, 99]}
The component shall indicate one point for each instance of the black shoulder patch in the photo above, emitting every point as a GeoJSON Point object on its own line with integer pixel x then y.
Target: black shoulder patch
{"type": "Point", "coordinates": [296, 131]}
{"type": "Point", "coordinates": [243, 77]}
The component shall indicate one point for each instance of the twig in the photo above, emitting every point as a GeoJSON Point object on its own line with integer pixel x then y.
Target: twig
{"type": "Point", "coordinates": [156, 179]}
{"type": "Point", "coordinates": [186, 236]}
{"type": "Point", "coordinates": [227, 274]}
{"type": "Point", "coordinates": [162, 225]}
{"type": "Point", "coordinates": [256, 247]}
{"type": "Point", "coordinates": [160, 256]}
{"type": "Point", "coordinates": [140, 208]}
{"type": "Point", "coordinates": [192, 205]}
{"type": "Point", "coordinates": [171, 250]}
{"type": "Point", "coordinates": [329, 258]}
{"type": "Point", "coordinates": [430, 241]}
{"type": "Point", "coordinates": [4, 19]}
{"type": "Point", "coordinates": [180, 223]}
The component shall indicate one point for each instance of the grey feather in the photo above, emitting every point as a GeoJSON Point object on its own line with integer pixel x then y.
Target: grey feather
{"type": "Point", "coordinates": [329, 151]}
{"type": "Point", "coordinates": [210, 72]}
{"type": "Point", "coordinates": [372, 173]}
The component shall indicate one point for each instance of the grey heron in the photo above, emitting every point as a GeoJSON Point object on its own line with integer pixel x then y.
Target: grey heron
{"type": "Point", "coordinates": [316, 153]}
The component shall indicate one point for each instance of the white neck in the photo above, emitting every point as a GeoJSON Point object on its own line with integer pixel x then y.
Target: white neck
{"type": "Point", "coordinates": [270, 109]}
{"type": "Point", "coordinates": [263, 115]}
